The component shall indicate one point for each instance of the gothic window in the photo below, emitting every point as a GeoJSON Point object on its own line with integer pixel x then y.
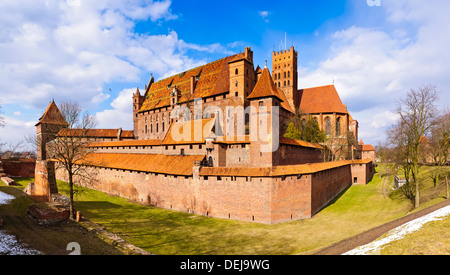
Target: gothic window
{"type": "Point", "coordinates": [210, 161]}
{"type": "Point", "coordinates": [338, 126]}
{"type": "Point", "coordinates": [328, 126]}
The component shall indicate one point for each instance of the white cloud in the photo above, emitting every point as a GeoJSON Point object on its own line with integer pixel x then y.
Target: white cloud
{"type": "Point", "coordinates": [374, 67]}
{"type": "Point", "coordinates": [71, 49]}
{"type": "Point", "coordinates": [15, 131]}
{"type": "Point", "coordinates": [264, 15]}
{"type": "Point", "coordinates": [121, 114]}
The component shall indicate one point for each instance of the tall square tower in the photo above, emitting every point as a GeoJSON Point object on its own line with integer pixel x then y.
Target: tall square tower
{"type": "Point", "coordinates": [285, 75]}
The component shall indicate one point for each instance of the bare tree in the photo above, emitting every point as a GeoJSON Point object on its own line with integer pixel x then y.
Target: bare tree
{"type": "Point", "coordinates": [417, 111]}
{"type": "Point", "coordinates": [13, 150]}
{"type": "Point", "coordinates": [440, 143]}
{"type": "Point", "coordinates": [69, 150]}
{"type": "Point", "coordinates": [400, 156]}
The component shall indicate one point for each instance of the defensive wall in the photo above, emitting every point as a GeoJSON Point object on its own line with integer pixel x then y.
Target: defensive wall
{"type": "Point", "coordinates": [262, 195]}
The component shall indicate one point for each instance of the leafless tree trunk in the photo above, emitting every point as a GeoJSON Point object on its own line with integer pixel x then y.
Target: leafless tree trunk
{"type": "Point", "coordinates": [417, 111]}
{"type": "Point", "coordinates": [69, 150]}
{"type": "Point", "coordinates": [440, 145]}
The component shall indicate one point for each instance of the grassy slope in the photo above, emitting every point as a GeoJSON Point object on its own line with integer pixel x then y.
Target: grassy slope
{"type": "Point", "coordinates": [168, 232]}
{"type": "Point", "coordinates": [49, 240]}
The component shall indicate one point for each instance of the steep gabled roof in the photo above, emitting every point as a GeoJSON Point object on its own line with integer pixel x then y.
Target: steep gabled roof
{"type": "Point", "coordinates": [323, 99]}
{"type": "Point", "coordinates": [189, 132]}
{"type": "Point", "coordinates": [211, 79]}
{"type": "Point", "coordinates": [265, 87]}
{"type": "Point", "coordinates": [52, 115]}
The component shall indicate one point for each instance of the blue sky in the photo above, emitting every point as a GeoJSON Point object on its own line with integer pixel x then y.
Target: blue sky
{"type": "Point", "coordinates": [79, 49]}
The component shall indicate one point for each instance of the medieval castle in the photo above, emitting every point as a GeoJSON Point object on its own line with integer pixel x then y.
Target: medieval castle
{"type": "Point", "coordinates": [209, 141]}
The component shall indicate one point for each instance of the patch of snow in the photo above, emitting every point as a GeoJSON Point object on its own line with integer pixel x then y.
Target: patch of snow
{"type": "Point", "coordinates": [400, 232]}
{"type": "Point", "coordinates": [9, 244]}
{"type": "Point", "coordinates": [5, 198]}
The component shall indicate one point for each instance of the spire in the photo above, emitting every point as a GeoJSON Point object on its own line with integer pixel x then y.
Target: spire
{"type": "Point", "coordinates": [52, 115]}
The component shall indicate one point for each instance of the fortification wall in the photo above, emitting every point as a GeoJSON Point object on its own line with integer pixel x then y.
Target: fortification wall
{"type": "Point", "coordinates": [254, 199]}
{"type": "Point", "coordinates": [19, 168]}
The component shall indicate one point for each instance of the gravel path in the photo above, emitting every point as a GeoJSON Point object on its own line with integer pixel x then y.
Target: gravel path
{"type": "Point", "coordinates": [371, 235]}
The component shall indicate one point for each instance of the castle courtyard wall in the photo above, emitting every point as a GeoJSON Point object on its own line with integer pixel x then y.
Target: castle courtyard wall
{"type": "Point", "coordinates": [268, 200]}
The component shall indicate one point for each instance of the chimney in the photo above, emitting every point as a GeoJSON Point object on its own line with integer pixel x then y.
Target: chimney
{"type": "Point", "coordinates": [249, 54]}
{"type": "Point", "coordinates": [193, 84]}
{"type": "Point", "coordinates": [119, 133]}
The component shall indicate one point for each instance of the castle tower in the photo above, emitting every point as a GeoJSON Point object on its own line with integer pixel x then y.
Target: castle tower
{"type": "Point", "coordinates": [242, 75]}
{"type": "Point", "coordinates": [49, 125]}
{"type": "Point", "coordinates": [265, 101]}
{"type": "Point", "coordinates": [285, 75]}
{"type": "Point", "coordinates": [47, 128]}
{"type": "Point", "coordinates": [138, 100]}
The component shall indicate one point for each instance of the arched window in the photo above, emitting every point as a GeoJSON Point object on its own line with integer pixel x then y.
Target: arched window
{"type": "Point", "coordinates": [237, 71]}
{"type": "Point", "coordinates": [338, 126]}
{"type": "Point", "coordinates": [210, 161]}
{"type": "Point", "coordinates": [289, 74]}
{"type": "Point", "coordinates": [284, 74]}
{"type": "Point", "coordinates": [275, 76]}
{"type": "Point", "coordinates": [328, 126]}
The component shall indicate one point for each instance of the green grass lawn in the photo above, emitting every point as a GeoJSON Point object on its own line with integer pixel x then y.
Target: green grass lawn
{"type": "Point", "coordinates": [166, 232]}
{"type": "Point", "coordinates": [51, 240]}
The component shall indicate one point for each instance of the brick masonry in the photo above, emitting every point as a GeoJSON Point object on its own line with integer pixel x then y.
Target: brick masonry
{"type": "Point", "coordinates": [266, 200]}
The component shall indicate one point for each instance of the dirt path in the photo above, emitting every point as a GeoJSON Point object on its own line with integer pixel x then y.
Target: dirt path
{"type": "Point", "coordinates": [372, 235]}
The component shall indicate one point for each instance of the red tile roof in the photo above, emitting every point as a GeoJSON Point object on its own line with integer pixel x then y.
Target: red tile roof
{"type": "Point", "coordinates": [301, 143]}
{"type": "Point", "coordinates": [162, 164]}
{"type": "Point", "coordinates": [323, 99]}
{"type": "Point", "coordinates": [213, 79]}
{"type": "Point", "coordinates": [367, 147]}
{"type": "Point", "coordinates": [278, 171]}
{"type": "Point", "coordinates": [199, 130]}
{"type": "Point", "coordinates": [95, 133]}
{"type": "Point", "coordinates": [127, 143]}
{"type": "Point", "coordinates": [265, 87]}
{"type": "Point", "coordinates": [52, 115]}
